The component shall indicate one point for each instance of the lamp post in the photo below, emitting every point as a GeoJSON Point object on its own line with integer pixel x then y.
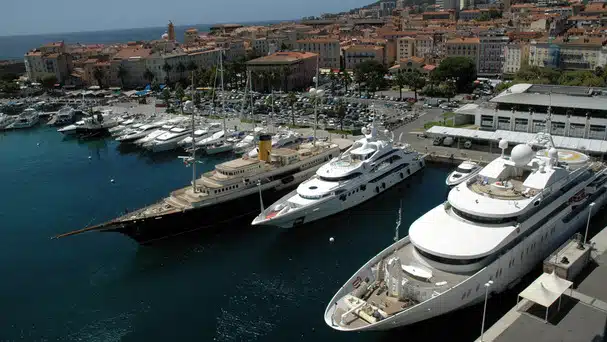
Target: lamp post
{"type": "Point", "coordinates": [588, 222]}
{"type": "Point", "coordinates": [487, 285]}
{"type": "Point", "coordinates": [317, 95]}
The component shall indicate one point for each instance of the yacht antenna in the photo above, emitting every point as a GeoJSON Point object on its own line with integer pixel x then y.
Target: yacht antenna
{"type": "Point", "coordinates": [400, 209]}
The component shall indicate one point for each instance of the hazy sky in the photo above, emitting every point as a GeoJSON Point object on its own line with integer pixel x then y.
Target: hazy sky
{"type": "Point", "coordinates": [48, 16]}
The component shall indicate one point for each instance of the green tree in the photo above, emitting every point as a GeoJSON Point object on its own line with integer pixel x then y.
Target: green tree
{"type": "Point", "coordinates": [460, 69]}
{"type": "Point", "coordinates": [346, 79]}
{"type": "Point", "coordinates": [122, 72]}
{"type": "Point", "coordinates": [181, 68]}
{"type": "Point", "coordinates": [340, 111]}
{"type": "Point", "coordinates": [166, 67]}
{"type": "Point", "coordinates": [284, 47]}
{"type": "Point", "coordinates": [179, 92]}
{"type": "Point", "coordinates": [291, 100]}
{"type": "Point", "coordinates": [196, 99]}
{"type": "Point", "coordinates": [333, 79]}
{"type": "Point", "coordinates": [148, 75]}
{"type": "Point", "coordinates": [48, 81]}
{"type": "Point", "coordinates": [448, 89]}
{"type": "Point", "coordinates": [9, 87]}
{"type": "Point", "coordinates": [416, 81]}
{"type": "Point", "coordinates": [166, 96]}
{"type": "Point", "coordinates": [98, 74]}
{"type": "Point", "coordinates": [285, 72]}
{"type": "Point", "coordinates": [155, 86]}
{"type": "Point", "coordinates": [372, 73]}
{"type": "Point", "coordinates": [400, 82]}
{"type": "Point", "coordinates": [192, 66]}
{"type": "Point", "coordinates": [537, 75]}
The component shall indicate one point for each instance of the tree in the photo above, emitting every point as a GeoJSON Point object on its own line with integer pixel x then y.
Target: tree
{"type": "Point", "coordinates": [179, 93]}
{"type": "Point", "coordinates": [340, 110]}
{"type": "Point", "coordinates": [181, 68]}
{"type": "Point", "coordinates": [400, 81]}
{"type": "Point", "coordinates": [346, 79]}
{"type": "Point", "coordinates": [292, 99]}
{"type": "Point", "coordinates": [333, 79]}
{"type": "Point", "coordinates": [155, 86]}
{"type": "Point", "coordinates": [192, 66]}
{"type": "Point", "coordinates": [415, 81]}
{"type": "Point", "coordinates": [122, 72]}
{"type": "Point", "coordinates": [166, 67]}
{"type": "Point", "coordinates": [372, 73]}
{"type": "Point", "coordinates": [98, 74]}
{"type": "Point", "coordinates": [196, 99]}
{"type": "Point", "coordinates": [148, 75]}
{"type": "Point", "coordinates": [537, 75]}
{"type": "Point", "coordinates": [284, 46]}
{"type": "Point", "coordinates": [166, 96]}
{"type": "Point", "coordinates": [48, 81]}
{"type": "Point", "coordinates": [9, 87]}
{"type": "Point", "coordinates": [285, 72]}
{"type": "Point", "coordinates": [448, 89]}
{"type": "Point", "coordinates": [460, 69]}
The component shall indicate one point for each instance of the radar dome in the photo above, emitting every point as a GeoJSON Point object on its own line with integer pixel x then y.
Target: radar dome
{"type": "Point", "coordinates": [553, 153]}
{"type": "Point", "coordinates": [503, 144]}
{"type": "Point", "coordinates": [522, 154]}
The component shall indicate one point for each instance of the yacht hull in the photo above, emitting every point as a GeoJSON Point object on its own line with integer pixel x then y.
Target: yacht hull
{"type": "Point", "coordinates": [150, 229]}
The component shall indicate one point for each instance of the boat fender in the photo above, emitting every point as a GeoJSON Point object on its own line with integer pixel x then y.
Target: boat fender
{"type": "Point", "coordinates": [356, 282]}
{"type": "Point", "coordinates": [402, 176]}
{"type": "Point", "coordinates": [383, 185]}
{"type": "Point", "coordinates": [408, 171]}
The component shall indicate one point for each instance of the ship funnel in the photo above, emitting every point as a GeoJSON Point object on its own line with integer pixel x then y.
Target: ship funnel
{"type": "Point", "coordinates": [265, 147]}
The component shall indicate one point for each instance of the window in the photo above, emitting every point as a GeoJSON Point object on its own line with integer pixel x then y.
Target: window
{"type": "Point", "coordinates": [448, 261]}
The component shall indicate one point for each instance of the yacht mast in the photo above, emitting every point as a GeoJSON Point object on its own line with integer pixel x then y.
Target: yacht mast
{"type": "Point", "coordinates": [193, 139]}
{"type": "Point", "coordinates": [223, 98]}
{"type": "Point", "coordinates": [316, 100]}
{"type": "Point", "coordinates": [400, 209]}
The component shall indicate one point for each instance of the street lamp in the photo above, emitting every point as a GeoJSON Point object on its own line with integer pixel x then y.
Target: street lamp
{"type": "Point", "coordinates": [487, 285]}
{"type": "Point", "coordinates": [588, 222]}
{"type": "Point", "coordinates": [317, 95]}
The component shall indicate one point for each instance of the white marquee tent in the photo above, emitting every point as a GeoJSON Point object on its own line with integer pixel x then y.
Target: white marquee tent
{"type": "Point", "coordinates": [546, 290]}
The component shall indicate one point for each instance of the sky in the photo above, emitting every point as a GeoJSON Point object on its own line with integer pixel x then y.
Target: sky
{"type": "Point", "coordinates": [48, 16]}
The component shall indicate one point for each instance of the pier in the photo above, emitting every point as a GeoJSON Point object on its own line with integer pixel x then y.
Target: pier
{"type": "Point", "coordinates": [582, 315]}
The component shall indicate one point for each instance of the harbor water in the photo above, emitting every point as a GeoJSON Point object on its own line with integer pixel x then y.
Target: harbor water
{"type": "Point", "coordinates": [237, 283]}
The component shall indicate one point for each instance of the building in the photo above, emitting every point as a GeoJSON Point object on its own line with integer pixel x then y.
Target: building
{"type": "Point", "coordinates": [464, 47]}
{"type": "Point", "coordinates": [515, 56]}
{"type": "Point", "coordinates": [260, 46]}
{"type": "Point", "coordinates": [131, 60]}
{"type": "Point", "coordinates": [386, 7]}
{"type": "Point", "coordinates": [572, 53]}
{"type": "Point", "coordinates": [575, 111]}
{"type": "Point", "coordinates": [171, 32]}
{"type": "Point", "coordinates": [491, 48]}
{"type": "Point", "coordinates": [356, 54]}
{"type": "Point", "coordinates": [444, 15]}
{"type": "Point", "coordinates": [412, 64]}
{"type": "Point", "coordinates": [405, 47]}
{"type": "Point", "coordinates": [471, 14]}
{"type": "Point", "coordinates": [327, 48]}
{"type": "Point", "coordinates": [294, 70]}
{"type": "Point", "coordinates": [49, 59]}
{"type": "Point", "coordinates": [190, 36]}
{"type": "Point", "coordinates": [424, 46]}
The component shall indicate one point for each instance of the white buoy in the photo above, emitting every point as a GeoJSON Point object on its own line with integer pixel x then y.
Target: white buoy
{"type": "Point", "coordinates": [90, 157]}
{"type": "Point", "coordinates": [112, 180]}
{"type": "Point", "coordinates": [37, 144]}
{"type": "Point", "coordinates": [331, 239]}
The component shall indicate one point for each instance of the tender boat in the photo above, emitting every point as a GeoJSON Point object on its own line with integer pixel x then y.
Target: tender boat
{"type": "Point", "coordinates": [464, 171]}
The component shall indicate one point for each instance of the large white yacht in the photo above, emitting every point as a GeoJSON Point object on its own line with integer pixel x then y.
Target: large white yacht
{"type": "Point", "coordinates": [496, 226]}
{"type": "Point", "coordinates": [169, 140]}
{"type": "Point", "coordinates": [369, 167]}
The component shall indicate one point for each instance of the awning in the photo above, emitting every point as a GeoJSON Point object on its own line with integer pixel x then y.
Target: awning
{"type": "Point", "coordinates": [546, 290]}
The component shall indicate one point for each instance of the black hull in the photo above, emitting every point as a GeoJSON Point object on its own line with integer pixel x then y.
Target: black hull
{"type": "Point", "coordinates": [152, 229]}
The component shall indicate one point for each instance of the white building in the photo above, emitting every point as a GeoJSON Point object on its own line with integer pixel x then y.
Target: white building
{"type": "Point", "coordinates": [575, 111]}
{"type": "Point", "coordinates": [515, 56]}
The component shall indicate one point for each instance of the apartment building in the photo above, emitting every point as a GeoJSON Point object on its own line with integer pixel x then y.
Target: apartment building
{"type": "Point", "coordinates": [327, 48]}
{"type": "Point", "coordinates": [405, 47]}
{"type": "Point", "coordinates": [464, 47]}
{"type": "Point", "coordinates": [131, 60]}
{"type": "Point", "coordinates": [294, 70]}
{"type": "Point", "coordinates": [49, 59]}
{"type": "Point", "coordinates": [356, 54]}
{"type": "Point", "coordinates": [572, 53]}
{"type": "Point", "coordinates": [424, 46]}
{"type": "Point", "coordinates": [491, 48]}
{"type": "Point", "coordinates": [516, 54]}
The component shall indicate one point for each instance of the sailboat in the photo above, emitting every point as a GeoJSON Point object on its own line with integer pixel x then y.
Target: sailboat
{"type": "Point", "coordinates": [222, 145]}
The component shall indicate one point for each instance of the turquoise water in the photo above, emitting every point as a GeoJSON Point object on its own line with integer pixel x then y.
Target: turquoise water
{"type": "Point", "coordinates": [236, 284]}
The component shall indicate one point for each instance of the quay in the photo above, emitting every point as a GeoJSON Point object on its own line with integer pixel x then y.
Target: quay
{"type": "Point", "coordinates": [580, 315]}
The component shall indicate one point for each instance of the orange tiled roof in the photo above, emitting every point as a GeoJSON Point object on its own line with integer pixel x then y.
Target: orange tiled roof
{"type": "Point", "coordinates": [282, 57]}
{"type": "Point", "coordinates": [464, 40]}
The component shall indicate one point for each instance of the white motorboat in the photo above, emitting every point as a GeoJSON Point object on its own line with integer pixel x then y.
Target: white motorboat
{"type": "Point", "coordinates": [465, 170]}
{"type": "Point", "coordinates": [494, 227]}
{"type": "Point", "coordinates": [123, 125]}
{"type": "Point", "coordinates": [71, 129]}
{"type": "Point", "coordinates": [369, 167]}
{"type": "Point", "coordinates": [200, 134]}
{"type": "Point", "coordinates": [169, 140]}
{"type": "Point", "coordinates": [27, 119]}
{"type": "Point", "coordinates": [153, 135]}
{"type": "Point", "coordinates": [65, 116]}
{"type": "Point", "coordinates": [219, 148]}
{"type": "Point", "coordinates": [140, 132]}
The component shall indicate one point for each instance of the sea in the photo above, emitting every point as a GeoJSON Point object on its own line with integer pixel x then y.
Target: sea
{"type": "Point", "coordinates": [14, 47]}
{"type": "Point", "coordinates": [235, 283]}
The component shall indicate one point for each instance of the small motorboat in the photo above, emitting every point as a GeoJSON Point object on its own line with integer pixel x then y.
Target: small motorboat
{"type": "Point", "coordinates": [464, 171]}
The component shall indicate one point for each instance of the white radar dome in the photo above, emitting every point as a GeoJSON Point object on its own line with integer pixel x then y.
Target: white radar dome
{"type": "Point", "coordinates": [553, 153]}
{"type": "Point", "coordinates": [503, 144]}
{"type": "Point", "coordinates": [522, 154]}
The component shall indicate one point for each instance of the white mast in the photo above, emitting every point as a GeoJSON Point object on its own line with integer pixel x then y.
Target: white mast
{"type": "Point", "coordinates": [400, 209]}
{"type": "Point", "coordinates": [316, 99]}
{"type": "Point", "coordinates": [223, 98]}
{"type": "Point", "coordinates": [193, 140]}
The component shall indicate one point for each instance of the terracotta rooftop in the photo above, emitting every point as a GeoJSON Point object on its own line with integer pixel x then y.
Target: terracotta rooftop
{"type": "Point", "coordinates": [355, 48]}
{"type": "Point", "coordinates": [285, 57]}
{"type": "Point", "coordinates": [132, 51]}
{"type": "Point", "coordinates": [414, 59]}
{"type": "Point", "coordinates": [580, 17]}
{"type": "Point", "coordinates": [464, 40]}
{"type": "Point", "coordinates": [319, 40]}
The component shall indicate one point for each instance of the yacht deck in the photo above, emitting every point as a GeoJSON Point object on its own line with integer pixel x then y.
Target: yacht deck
{"type": "Point", "coordinates": [511, 189]}
{"type": "Point", "coordinates": [416, 289]}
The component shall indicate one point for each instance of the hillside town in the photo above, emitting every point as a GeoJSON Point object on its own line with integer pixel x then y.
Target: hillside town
{"type": "Point", "coordinates": [499, 37]}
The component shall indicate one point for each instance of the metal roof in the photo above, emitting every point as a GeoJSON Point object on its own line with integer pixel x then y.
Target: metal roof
{"type": "Point", "coordinates": [555, 96]}
{"type": "Point", "coordinates": [572, 143]}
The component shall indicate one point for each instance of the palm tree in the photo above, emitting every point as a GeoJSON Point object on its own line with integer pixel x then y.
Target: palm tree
{"type": "Point", "coordinates": [285, 73]}
{"type": "Point", "coordinates": [333, 79]}
{"type": "Point", "coordinates": [148, 75]}
{"type": "Point", "coordinates": [122, 72]}
{"type": "Point", "coordinates": [415, 81]}
{"type": "Point", "coordinates": [181, 68]}
{"type": "Point", "coordinates": [346, 79]}
{"type": "Point", "coordinates": [292, 99]}
{"type": "Point", "coordinates": [98, 74]}
{"type": "Point", "coordinates": [340, 110]}
{"type": "Point", "coordinates": [400, 81]}
{"type": "Point", "coordinates": [166, 67]}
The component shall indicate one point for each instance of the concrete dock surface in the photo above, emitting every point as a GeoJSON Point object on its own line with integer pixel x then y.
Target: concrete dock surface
{"type": "Point", "coordinates": [582, 315]}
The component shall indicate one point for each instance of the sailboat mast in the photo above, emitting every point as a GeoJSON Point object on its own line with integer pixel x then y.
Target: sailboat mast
{"type": "Point", "coordinates": [316, 100]}
{"type": "Point", "coordinates": [400, 209]}
{"type": "Point", "coordinates": [193, 141]}
{"type": "Point", "coordinates": [223, 98]}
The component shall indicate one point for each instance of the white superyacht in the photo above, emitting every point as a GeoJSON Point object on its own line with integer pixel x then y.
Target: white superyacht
{"type": "Point", "coordinates": [496, 226]}
{"type": "Point", "coordinates": [369, 167]}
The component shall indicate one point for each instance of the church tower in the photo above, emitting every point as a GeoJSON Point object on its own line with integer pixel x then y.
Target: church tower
{"type": "Point", "coordinates": [171, 31]}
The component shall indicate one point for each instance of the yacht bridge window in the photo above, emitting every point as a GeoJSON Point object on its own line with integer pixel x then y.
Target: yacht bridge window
{"type": "Point", "coordinates": [448, 261]}
{"type": "Point", "coordinates": [339, 179]}
{"type": "Point", "coordinates": [482, 219]}
{"type": "Point", "coordinates": [361, 157]}
{"type": "Point", "coordinates": [462, 170]}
